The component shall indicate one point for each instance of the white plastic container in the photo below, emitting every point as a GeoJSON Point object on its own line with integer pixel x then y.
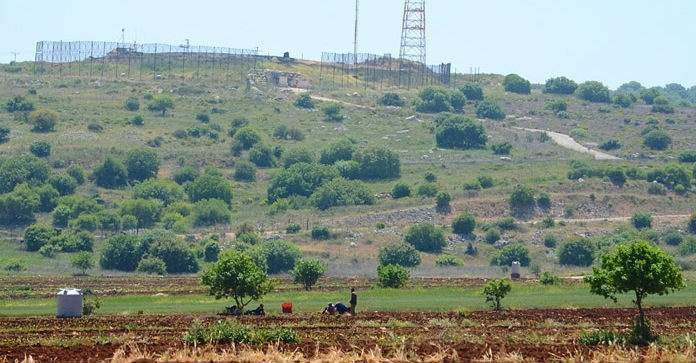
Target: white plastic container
{"type": "Point", "coordinates": [515, 270]}
{"type": "Point", "coordinates": [69, 303]}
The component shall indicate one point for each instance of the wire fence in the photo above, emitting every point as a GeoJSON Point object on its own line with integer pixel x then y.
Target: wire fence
{"type": "Point", "coordinates": [111, 60]}
{"type": "Point", "coordinates": [340, 70]}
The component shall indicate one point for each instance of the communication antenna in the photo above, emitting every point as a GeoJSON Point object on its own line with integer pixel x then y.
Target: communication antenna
{"type": "Point", "coordinates": [123, 36]}
{"type": "Point", "coordinates": [355, 39]}
{"type": "Point", "coordinates": [413, 32]}
{"type": "Point", "coordinates": [15, 56]}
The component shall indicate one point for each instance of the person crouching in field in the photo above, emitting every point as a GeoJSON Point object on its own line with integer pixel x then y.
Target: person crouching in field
{"type": "Point", "coordinates": [353, 301]}
{"type": "Point", "coordinates": [337, 308]}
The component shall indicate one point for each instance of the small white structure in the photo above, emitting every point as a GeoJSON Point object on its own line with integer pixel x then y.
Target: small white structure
{"type": "Point", "coordinates": [69, 303]}
{"type": "Point", "coordinates": [515, 270]}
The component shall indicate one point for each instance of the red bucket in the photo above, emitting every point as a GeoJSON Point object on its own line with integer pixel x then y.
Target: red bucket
{"type": "Point", "coordinates": [287, 308]}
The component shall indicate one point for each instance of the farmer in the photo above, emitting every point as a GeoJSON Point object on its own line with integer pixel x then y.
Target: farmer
{"type": "Point", "coordinates": [337, 308]}
{"type": "Point", "coordinates": [353, 301]}
{"type": "Point", "coordinates": [257, 312]}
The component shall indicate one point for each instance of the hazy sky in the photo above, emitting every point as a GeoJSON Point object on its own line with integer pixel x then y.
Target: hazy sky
{"type": "Point", "coordinates": [651, 41]}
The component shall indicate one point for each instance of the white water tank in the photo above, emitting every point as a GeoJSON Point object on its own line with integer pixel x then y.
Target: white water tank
{"type": "Point", "coordinates": [515, 270]}
{"type": "Point", "coordinates": [69, 303]}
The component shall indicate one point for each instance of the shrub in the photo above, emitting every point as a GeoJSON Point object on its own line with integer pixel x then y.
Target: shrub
{"type": "Point", "coordinates": [506, 223]}
{"type": "Point", "coordinates": [146, 211]}
{"type": "Point", "coordinates": [297, 155]}
{"type": "Point", "coordinates": [464, 224]}
{"type": "Point", "coordinates": [161, 104]}
{"type": "Point", "coordinates": [348, 169]}
{"type": "Point", "coordinates": [18, 207]}
{"type": "Point", "coordinates": [578, 252]}
{"type": "Point", "coordinates": [210, 212]}
{"type": "Point", "coordinates": [211, 251]}
{"type": "Point", "coordinates": [63, 183]}
{"type": "Point", "coordinates": [392, 276]}
{"type": "Point", "coordinates": [307, 272]}
{"type": "Point", "coordinates": [593, 91]}
{"type": "Point", "coordinates": [22, 169]}
{"type": "Point", "coordinates": [121, 252]}
{"type": "Point", "coordinates": [15, 265]}
{"type": "Point", "coordinates": [262, 156]}
{"type": "Point", "coordinates": [442, 201]}
{"type": "Point", "coordinates": [19, 104]}
{"type": "Point", "coordinates": [601, 337]}
{"type": "Point", "coordinates": [673, 238]}
{"type": "Point", "coordinates": [492, 235]}
{"type": "Point", "coordinates": [4, 134]}
{"type": "Point", "coordinates": [48, 198]}
{"type": "Point", "coordinates": [544, 200]}
{"type": "Point", "coordinates": [320, 233]}
{"type": "Point", "coordinates": [37, 236]}
{"type": "Point", "coordinates": [399, 254]}
{"type": "Point", "coordinates": [209, 186]}
{"type": "Point", "coordinates": [400, 190]}
{"type": "Point", "coordinates": [85, 222]}
{"type": "Point", "coordinates": [392, 99]}
{"type": "Point", "coordinates": [516, 84]}
{"type": "Point", "coordinates": [77, 173]}
{"type": "Point", "coordinates": [642, 220]}
{"type": "Point", "coordinates": [649, 95]}
{"type": "Point", "coordinates": [280, 256]}
{"type": "Point", "coordinates": [448, 260]}
{"type": "Point", "coordinates": [332, 112]}
{"type": "Point", "coordinates": [623, 100]}
{"type": "Point", "coordinates": [43, 120]}
{"type": "Point", "coordinates": [503, 148]}
{"type": "Point", "coordinates": [472, 91]}
{"type": "Point", "coordinates": [245, 171]}
{"type": "Point", "coordinates": [152, 266]}
{"type": "Point", "coordinates": [688, 247]}
{"type": "Point", "coordinates": [657, 189]}
{"type": "Point", "coordinates": [556, 106]}
{"type": "Point", "coordinates": [662, 105]}
{"type": "Point", "coordinates": [511, 253]}
{"type": "Point", "coordinates": [489, 109]}
{"type": "Point", "coordinates": [203, 117]}
{"type": "Point", "coordinates": [293, 228]}
{"type": "Point", "coordinates": [547, 278]}
{"type": "Point", "coordinates": [433, 100]}
{"type": "Point", "coordinates": [522, 198]}
{"type": "Point", "coordinates": [687, 156]}
{"type": "Point", "coordinates": [611, 144]}
{"type": "Point", "coordinates": [425, 237]}
{"type": "Point", "coordinates": [378, 163]}
{"type": "Point", "coordinates": [342, 149]}
{"type": "Point", "coordinates": [457, 100]}
{"type": "Point", "coordinates": [185, 175]}
{"type": "Point", "coordinates": [304, 101]}
{"type": "Point", "coordinates": [430, 177]}
{"type": "Point", "coordinates": [82, 261]}
{"type": "Point", "coordinates": [111, 174]}
{"type": "Point", "coordinates": [245, 138]}
{"type": "Point", "coordinates": [177, 256]}
{"type": "Point", "coordinates": [550, 241]}
{"type": "Point", "coordinates": [495, 291]}
{"type": "Point", "coordinates": [132, 104]}
{"type": "Point", "coordinates": [40, 149]}
{"type": "Point", "coordinates": [560, 86]}
{"type": "Point", "coordinates": [485, 181]}
{"type": "Point", "coordinates": [142, 164]}
{"type": "Point", "coordinates": [165, 191]}
{"type": "Point", "coordinates": [341, 192]}
{"type": "Point", "coordinates": [300, 180]}
{"type": "Point", "coordinates": [691, 224]}
{"type": "Point", "coordinates": [284, 132]}
{"type": "Point", "coordinates": [459, 132]}
{"type": "Point", "coordinates": [427, 190]}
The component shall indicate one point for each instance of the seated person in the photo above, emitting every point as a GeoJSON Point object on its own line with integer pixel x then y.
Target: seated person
{"type": "Point", "coordinates": [341, 308]}
{"type": "Point", "coordinates": [329, 309]}
{"type": "Point", "coordinates": [256, 312]}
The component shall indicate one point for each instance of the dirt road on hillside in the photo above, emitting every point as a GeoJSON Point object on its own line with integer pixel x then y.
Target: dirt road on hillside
{"type": "Point", "coordinates": [569, 143]}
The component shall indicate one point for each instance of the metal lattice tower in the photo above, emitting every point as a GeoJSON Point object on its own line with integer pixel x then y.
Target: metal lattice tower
{"type": "Point", "coordinates": [413, 32]}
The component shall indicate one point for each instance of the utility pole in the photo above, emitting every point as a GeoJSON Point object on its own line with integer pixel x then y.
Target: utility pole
{"type": "Point", "coordinates": [15, 56]}
{"type": "Point", "coordinates": [123, 36]}
{"type": "Point", "coordinates": [413, 32]}
{"type": "Point", "coordinates": [355, 39]}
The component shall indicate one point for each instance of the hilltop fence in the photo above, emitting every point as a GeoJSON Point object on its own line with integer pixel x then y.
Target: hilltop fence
{"type": "Point", "coordinates": [379, 71]}
{"type": "Point", "coordinates": [113, 60]}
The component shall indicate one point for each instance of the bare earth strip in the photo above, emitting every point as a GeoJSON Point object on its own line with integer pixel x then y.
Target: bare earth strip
{"type": "Point", "coordinates": [570, 144]}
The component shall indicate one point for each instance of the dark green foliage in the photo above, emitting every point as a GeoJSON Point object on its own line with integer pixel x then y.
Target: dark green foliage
{"type": "Point", "coordinates": [176, 255]}
{"type": "Point", "coordinates": [617, 177]}
{"type": "Point", "coordinates": [223, 332]}
{"type": "Point", "coordinates": [85, 222]}
{"type": "Point", "coordinates": [442, 201]}
{"type": "Point", "coordinates": [348, 169]}
{"type": "Point", "coordinates": [152, 266]}
{"type": "Point", "coordinates": [19, 104]}
{"type": "Point", "coordinates": [72, 240]}
{"type": "Point", "coordinates": [624, 100]}
{"type": "Point", "coordinates": [22, 169]}
{"type": "Point", "coordinates": [342, 149]}
{"type": "Point", "coordinates": [378, 163]}
{"type": "Point", "coordinates": [630, 87]}
{"type": "Point", "coordinates": [687, 156]}
{"type": "Point", "coordinates": [48, 198]}
{"type": "Point", "coordinates": [688, 247]}
{"type": "Point", "coordinates": [464, 224]}
{"type": "Point", "coordinates": [165, 191]}
{"type": "Point", "coordinates": [556, 105]}
{"type": "Point", "coordinates": [392, 276]}
{"type": "Point", "coordinates": [492, 235]}
{"type": "Point", "coordinates": [673, 238]}
{"type": "Point", "coordinates": [185, 175]}
{"type": "Point", "coordinates": [489, 109]}
{"type": "Point", "coordinates": [304, 101]}
{"type": "Point", "coordinates": [297, 155]}
{"type": "Point", "coordinates": [691, 224]}
{"type": "Point", "coordinates": [293, 228]}
{"type": "Point", "coordinates": [427, 190]}
{"type": "Point", "coordinates": [472, 91]}
{"type": "Point", "coordinates": [392, 99]}
{"type": "Point", "coordinates": [593, 91]}
{"type": "Point", "coordinates": [147, 211]}
{"type": "Point", "coordinates": [459, 132]}
{"type": "Point", "coordinates": [495, 291]}
{"type": "Point", "coordinates": [457, 100]}
{"type": "Point", "coordinates": [40, 149]}
{"type": "Point", "coordinates": [332, 112]}
{"type": "Point", "coordinates": [401, 254]}
{"type": "Point", "coordinates": [662, 105]}
{"type": "Point", "coordinates": [121, 252]}
{"type": "Point", "coordinates": [210, 185]}
{"type": "Point", "coordinates": [577, 252]}
{"type": "Point", "coordinates": [63, 183]}
{"type": "Point", "coordinates": [341, 192]}
{"type": "Point", "coordinates": [61, 216]}
{"type": "Point", "coordinates": [433, 100]}
{"type": "Point", "coordinates": [506, 223]}
{"type": "Point", "coordinates": [203, 117]}
{"type": "Point", "coordinates": [430, 177]}
{"type": "Point", "coordinates": [320, 233]}
{"type": "Point", "coordinates": [547, 278]}
{"type": "Point", "coordinates": [511, 253]}
{"type": "Point", "coordinates": [245, 138]}
{"type": "Point", "coordinates": [77, 173]}
{"type": "Point", "coordinates": [137, 120]}
{"type": "Point", "coordinates": [516, 84]}
{"type": "Point", "coordinates": [544, 200]}
{"type": "Point", "coordinates": [611, 144]}
{"type": "Point", "coordinates": [560, 86]}
{"type": "Point", "coordinates": [111, 174]}
{"type": "Point", "coordinates": [485, 181]}
{"type": "Point", "coordinates": [280, 256]}
{"type": "Point", "coordinates": [642, 220]}
{"type": "Point", "coordinates": [649, 95]}
{"type": "Point", "coordinates": [425, 237]}
{"type": "Point", "coordinates": [284, 132]}
{"type": "Point", "coordinates": [307, 272]}
{"type": "Point", "coordinates": [602, 337]}
{"type": "Point", "coordinates": [37, 235]}
{"type": "Point", "coordinates": [236, 276]}
{"type": "Point", "coordinates": [262, 156]}
{"type": "Point", "coordinates": [400, 190]}
{"type": "Point", "coordinates": [449, 260]}
{"type": "Point", "coordinates": [132, 104]}
{"type": "Point", "coordinates": [43, 120]}
{"type": "Point", "coordinates": [161, 104]}
{"type": "Point", "coordinates": [142, 164]}
{"type": "Point", "coordinates": [503, 148]}
{"type": "Point", "coordinates": [210, 212]}
{"type": "Point", "coordinates": [550, 241]}
{"type": "Point", "coordinates": [211, 251]}
{"type": "Point", "coordinates": [244, 171]}
{"type": "Point", "coordinates": [522, 198]}
{"type": "Point", "coordinates": [18, 207]}
{"type": "Point", "coordinates": [4, 134]}
{"type": "Point", "coordinates": [300, 179]}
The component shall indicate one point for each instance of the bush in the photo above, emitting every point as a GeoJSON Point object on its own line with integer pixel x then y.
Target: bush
{"type": "Point", "coordinates": [307, 272]}
{"type": "Point", "coordinates": [472, 91]}
{"type": "Point", "coordinates": [511, 253]}
{"type": "Point", "coordinates": [495, 291]}
{"type": "Point", "coordinates": [657, 189]}
{"type": "Point", "coordinates": [203, 117]}
{"type": "Point", "coordinates": [22, 169]}
{"type": "Point", "coordinates": [280, 256]}
{"type": "Point", "coordinates": [40, 149]}
{"type": "Point", "coordinates": [642, 220]}
{"type": "Point", "coordinates": [427, 190]}
{"type": "Point", "coordinates": [464, 224]}
{"type": "Point", "coordinates": [161, 104]}
{"type": "Point", "coordinates": [489, 109]}
{"type": "Point", "coordinates": [442, 201]}
{"type": "Point", "coordinates": [378, 163]}
{"type": "Point", "coordinates": [245, 171]}
{"type": "Point", "coordinates": [602, 337]}
{"type": "Point", "coordinates": [262, 156]}
{"type": "Point", "coordinates": [85, 222]}
{"type": "Point", "coordinates": [152, 266]}
{"type": "Point", "coordinates": [210, 212]}
{"type": "Point", "coordinates": [43, 120]}
{"type": "Point", "coordinates": [77, 173]}
{"type": "Point", "coordinates": [348, 169]}
{"type": "Point", "coordinates": [503, 148]}
{"type": "Point", "coordinates": [185, 175]}
{"type": "Point", "coordinates": [341, 192]}
{"type": "Point", "coordinates": [71, 240]}
{"type": "Point", "coordinates": [550, 241]}
{"type": "Point", "coordinates": [623, 100]}
{"type": "Point", "coordinates": [342, 149]}
{"type": "Point", "coordinates": [448, 260]}
{"type": "Point", "coordinates": [332, 112]}
{"type": "Point", "coordinates": [611, 144]}
{"type": "Point", "coordinates": [211, 251]}
{"type": "Point", "coordinates": [132, 104]}
{"type": "Point", "coordinates": [401, 190]}
{"type": "Point", "coordinates": [556, 106]}
{"type": "Point", "coordinates": [673, 238]}
{"type": "Point", "coordinates": [4, 134]}
{"type": "Point", "coordinates": [457, 100]}
{"type": "Point", "coordinates": [245, 138]}
{"type": "Point", "coordinates": [547, 278]}
{"type": "Point", "coordinates": [691, 224]}
{"type": "Point", "coordinates": [82, 261]}
{"type": "Point", "coordinates": [121, 253]}
{"type": "Point", "coordinates": [399, 254]}
{"type": "Point", "coordinates": [63, 183]}
{"type": "Point", "coordinates": [166, 191]}
{"type": "Point", "coordinates": [516, 84]}
{"type": "Point", "coordinates": [392, 276]}
{"type": "Point", "coordinates": [210, 185]}
{"type": "Point", "coordinates": [297, 155]}
{"type": "Point", "coordinates": [304, 101]}
{"type": "Point", "coordinates": [19, 104]}
{"type": "Point", "coordinates": [111, 174]}
{"type": "Point", "coordinates": [492, 235]}
{"type": "Point", "coordinates": [662, 105]}
{"type": "Point", "coordinates": [142, 164]}
{"type": "Point", "coordinates": [433, 100]}
{"type": "Point", "coordinates": [425, 237]}
{"type": "Point", "coordinates": [48, 198]}
{"type": "Point", "coordinates": [522, 198]}
{"type": "Point", "coordinates": [560, 86]}
{"type": "Point", "coordinates": [321, 233]}
{"type": "Point", "coordinates": [18, 207]}
{"type": "Point", "coordinates": [392, 99]}
{"type": "Point", "coordinates": [299, 180]}
{"type": "Point", "coordinates": [236, 276]}
{"type": "Point", "coordinates": [95, 127]}
{"type": "Point", "coordinates": [284, 132]}
{"type": "Point", "coordinates": [15, 265]}
{"type": "Point", "coordinates": [37, 236]}
{"type": "Point", "coordinates": [593, 91]}
{"type": "Point", "coordinates": [485, 181]}
{"type": "Point", "coordinates": [657, 140]}
{"type": "Point", "coordinates": [177, 257]}
{"type": "Point", "coordinates": [649, 95]}
{"type": "Point", "coordinates": [459, 132]}
{"type": "Point", "coordinates": [687, 156]}
{"type": "Point", "coordinates": [293, 228]}
{"type": "Point", "coordinates": [544, 200]}
{"type": "Point", "coordinates": [578, 252]}
{"type": "Point", "coordinates": [146, 211]}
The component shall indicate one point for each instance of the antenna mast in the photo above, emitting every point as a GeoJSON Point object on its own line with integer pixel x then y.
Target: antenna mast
{"type": "Point", "coordinates": [413, 32]}
{"type": "Point", "coordinates": [355, 39]}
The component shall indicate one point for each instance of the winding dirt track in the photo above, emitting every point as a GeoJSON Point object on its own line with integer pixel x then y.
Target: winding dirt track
{"type": "Point", "coordinates": [569, 143]}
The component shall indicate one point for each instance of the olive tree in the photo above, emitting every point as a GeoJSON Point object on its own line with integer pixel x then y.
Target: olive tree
{"type": "Point", "coordinates": [238, 277]}
{"type": "Point", "coordinates": [307, 272]}
{"type": "Point", "coordinates": [161, 104]}
{"type": "Point", "coordinates": [637, 267]}
{"type": "Point", "coordinates": [495, 291]}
